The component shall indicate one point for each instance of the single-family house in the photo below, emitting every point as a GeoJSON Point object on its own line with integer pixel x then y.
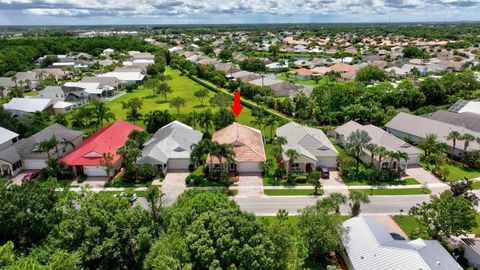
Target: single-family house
{"type": "Point", "coordinates": [19, 106]}
{"type": "Point", "coordinates": [94, 89]}
{"type": "Point", "coordinates": [342, 67]}
{"type": "Point", "coordinates": [465, 106]}
{"type": "Point", "coordinates": [416, 128]}
{"type": "Point", "coordinates": [75, 95]}
{"type": "Point", "coordinates": [28, 79]}
{"type": "Point", "coordinates": [87, 158]}
{"type": "Point", "coordinates": [105, 81]}
{"type": "Point", "coordinates": [276, 67]}
{"type": "Point", "coordinates": [247, 145]}
{"type": "Point", "coordinates": [369, 245]}
{"type": "Point", "coordinates": [313, 146]}
{"type": "Point", "coordinates": [301, 74]}
{"type": "Point", "coordinates": [7, 138]}
{"type": "Point", "coordinates": [170, 147]}
{"type": "Point", "coordinates": [472, 251]}
{"type": "Point", "coordinates": [380, 138]}
{"type": "Point", "coordinates": [129, 77]}
{"type": "Point", "coordinates": [283, 89]}
{"type": "Point", "coordinates": [466, 119]}
{"type": "Point", "coordinates": [24, 154]}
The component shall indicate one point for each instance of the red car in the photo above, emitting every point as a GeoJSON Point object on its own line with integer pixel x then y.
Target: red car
{"type": "Point", "coordinates": [29, 176]}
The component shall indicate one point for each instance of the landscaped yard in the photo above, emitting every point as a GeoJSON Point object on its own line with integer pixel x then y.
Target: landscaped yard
{"type": "Point", "coordinates": [306, 82]}
{"type": "Point", "coordinates": [409, 224]}
{"type": "Point", "coordinates": [458, 173]}
{"type": "Point", "coordinates": [476, 185]}
{"type": "Point", "coordinates": [290, 192]}
{"type": "Point", "coordinates": [270, 181]}
{"type": "Point", "coordinates": [395, 191]}
{"type": "Point", "coordinates": [358, 182]}
{"type": "Point", "coordinates": [140, 193]}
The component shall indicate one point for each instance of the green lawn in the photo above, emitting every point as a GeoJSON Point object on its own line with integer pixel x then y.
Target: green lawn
{"type": "Point", "coordinates": [458, 173]}
{"type": "Point", "coordinates": [290, 192]}
{"type": "Point", "coordinates": [292, 220]}
{"type": "Point", "coordinates": [306, 82]}
{"type": "Point", "coordinates": [409, 224]}
{"type": "Point", "coordinates": [182, 86]}
{"type": "Point", "coordinates": [270, 181]}
{"type": "Point", "coordinates": [394, 191]}
{"type": "Point", "coordinates": [476, 185]}
{"type": "Point", "coordinates": [140, 193]}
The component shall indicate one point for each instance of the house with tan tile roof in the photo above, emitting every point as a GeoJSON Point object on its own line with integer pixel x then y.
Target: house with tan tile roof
{"type": "Point", "coordinates": [247, 145]}
{"type": "Point", "coordinates": [341, 67]}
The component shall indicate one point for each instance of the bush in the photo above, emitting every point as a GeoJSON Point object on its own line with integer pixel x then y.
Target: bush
{"type": "Point", "coordinates": [139, 172]}
{"type": "Point", "coordinates": [301, 179]}
{"type": "Point", "coordinates": [472, 159]}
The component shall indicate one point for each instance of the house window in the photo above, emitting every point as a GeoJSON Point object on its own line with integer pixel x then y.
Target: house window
{"type": "Point", "coordinates": [384, 165]}
{"type": "Point", "coordinates": [296, 166]}
{"type": "Point", "coordinates": [231, 166]}
{"type": "Point", "coordinates": [216, 166]}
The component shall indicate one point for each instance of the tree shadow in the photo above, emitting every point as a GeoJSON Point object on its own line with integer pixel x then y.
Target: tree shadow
{"type": "Point", "coordinates": [150, 97]}
{"type": "Point", "coordinates": [161, 102]}
{"type": "Point", "coordinates": [199, 106]}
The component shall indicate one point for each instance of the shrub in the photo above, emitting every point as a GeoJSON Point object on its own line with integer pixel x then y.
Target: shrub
{"type": "Point", "coordinates": [472, 159]}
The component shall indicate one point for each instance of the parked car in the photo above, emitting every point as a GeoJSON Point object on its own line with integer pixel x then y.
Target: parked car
{"type": "Point", "coordinates": [397, 236]}
{"type": "Point", "coordinates": [325, 172]}
{"type": "Point", "coordinates": [30, 176]}
{"type": "Point", "coordinates": [127, 195]}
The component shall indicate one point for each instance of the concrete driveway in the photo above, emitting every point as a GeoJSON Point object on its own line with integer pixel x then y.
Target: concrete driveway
{"type": "Point", "coordinates": [389, 223]}
{"type": "Point", "coordinates": [425, 177]}
{"type": "Point", "coordinates": [17, 179]}
{"type": "Point", "coordinates": [250, 185]}
{"type": "Point", "coordinates": [174, 184]}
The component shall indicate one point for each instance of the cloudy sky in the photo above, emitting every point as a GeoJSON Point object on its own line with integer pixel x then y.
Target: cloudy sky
{"type": "Point", "coordinates": [74, 12]}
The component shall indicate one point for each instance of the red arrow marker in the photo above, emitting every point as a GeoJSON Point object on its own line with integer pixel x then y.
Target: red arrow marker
{"type": "Point", "coordinates": [236, 107]}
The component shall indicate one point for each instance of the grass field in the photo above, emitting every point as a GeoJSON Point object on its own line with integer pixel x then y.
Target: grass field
{"type": "Point", "coordinates": [290, 192]}
{"type": "Point", "coordinates": [182, 86]}
{"type": "Point", "coordinates": [458, 173]}
{"type": "Point", "coordinates": [394, 191]}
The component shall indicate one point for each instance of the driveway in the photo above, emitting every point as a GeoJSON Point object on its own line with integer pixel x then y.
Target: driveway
{"type": "Point", "coordinates": [17, 179]}
{"type": "Point", "coordinates": [334, 184]}
{"type": "Point", "coordinates": [389, 223]}
{"type": "Point", "coordinates": [250, 185]}
{"type": "Point", "coordinates": [174, 184]}
{"type": "Point", "coordinates": [425, 177]}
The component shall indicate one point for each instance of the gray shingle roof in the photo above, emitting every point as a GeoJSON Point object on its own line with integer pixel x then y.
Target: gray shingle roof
{"type": "Point", "coordinates": [467, 120]}
{"type": "Point", "coordinates": [420, 127]}
{"type": "Point", "coordinates": [310, 142]}
{"type": "Point", "coordinates": [171, 141]}
{"type": "Point", "coordinates": [10, 155]}
{"type": "Point", "coordinates": [379, 137]}
{"type": "Point", "coordinates": [26, 147]}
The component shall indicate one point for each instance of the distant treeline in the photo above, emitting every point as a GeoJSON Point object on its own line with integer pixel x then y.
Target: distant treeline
{"type": "Point", "coordinates": [20, 54]}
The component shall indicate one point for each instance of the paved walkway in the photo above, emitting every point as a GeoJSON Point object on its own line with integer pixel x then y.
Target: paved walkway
{"type": "Point", "coordinates": [250, 185]}
{"type": "Point", "coordinates": [174, 185]}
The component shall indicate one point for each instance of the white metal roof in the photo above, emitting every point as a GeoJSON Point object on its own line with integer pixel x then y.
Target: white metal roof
{"type": "Point", "coordinates": [90, 87]}
{"type": "Point", "coordinates": [124, 76]}
{"type": "Point", "coordinates": [6, 135]}
{"type": "Point", "coordinates": [370, 246]}
{"type": "Point", "coordinates": [28, 104]}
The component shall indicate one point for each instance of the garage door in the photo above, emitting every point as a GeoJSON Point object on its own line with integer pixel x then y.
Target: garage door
{"type": "Point", "coordinates": [178, 164]}
{"type": "Point", "coordinates": [94, 171]}
{"type": "Point", "coordinates": [329, 162]}
{"type": "Point", "coordinates": [249, 167]}
{"type": "Point", "coordinates": [34, 164]}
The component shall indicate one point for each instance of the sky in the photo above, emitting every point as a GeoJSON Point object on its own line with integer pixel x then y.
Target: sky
{"type": "Point", "coordinates": [98, 12]}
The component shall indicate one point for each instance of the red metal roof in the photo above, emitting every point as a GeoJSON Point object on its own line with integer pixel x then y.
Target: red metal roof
{"type": "Point", "coordinates": [106, 140]}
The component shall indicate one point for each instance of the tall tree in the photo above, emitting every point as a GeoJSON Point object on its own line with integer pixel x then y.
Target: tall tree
{"type": "Point", "coordinates": [356, 142]}
{"type": "Point", "coordinates": [178, 103]}
{"type": "Point", "coordinates": [133, 107]}
{"type": "Point", "coordinates": [101, 112]}
{"type": "Point", "coordinates": [201, 94]}
{"type": "Point", "coordinates": [356, 199]}
{"type": "Point", "coordinates": [454, 136]}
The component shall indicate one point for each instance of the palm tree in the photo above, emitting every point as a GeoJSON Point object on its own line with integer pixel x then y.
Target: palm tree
{"type": "Point", "coordinates": [199, 150]}
{"type": "Point", "coordinates": [454, 136]}
{"type": "Point", "coordinates": [46, 146]}
{"type": "Point", "coordinates": [356, 142]}
{"type": "Point", "coordinates": [271, 121]}
{"type": "Point", "coordinates": [279, 141]}
{"type": "Point", "coordinates": [205, 119]}
{"type": "Point", "coordinates": [225, 153]}
{"type": "Point", "coordinates": [373, 148]}
{"type": "Point", "coordinates": [101, 112]}
{"type": "Point", "coordinates": [429, 144]}
{"type": "Point", "coordinates": [399, 156]}
{"type": "Point", "coordinates": [258, 120]}
{"type": "Point", "coordinates": [314, 179]}
{"type": "Point", "coordinates": [467, 138]}
{"type": "Point", "coordinates": [291, 154]}
{"type": "Point", "coordinates": [356, 199]}
{"type": "Point", "coordinates": [338, 199]}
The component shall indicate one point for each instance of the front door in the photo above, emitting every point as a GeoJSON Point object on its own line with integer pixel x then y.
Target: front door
{"type": "Point", "coordinates": [232, 167]}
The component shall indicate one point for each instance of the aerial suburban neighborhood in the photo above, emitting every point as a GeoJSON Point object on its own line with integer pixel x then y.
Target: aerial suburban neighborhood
{"type": "Point", "coordinates": [207, 145]}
